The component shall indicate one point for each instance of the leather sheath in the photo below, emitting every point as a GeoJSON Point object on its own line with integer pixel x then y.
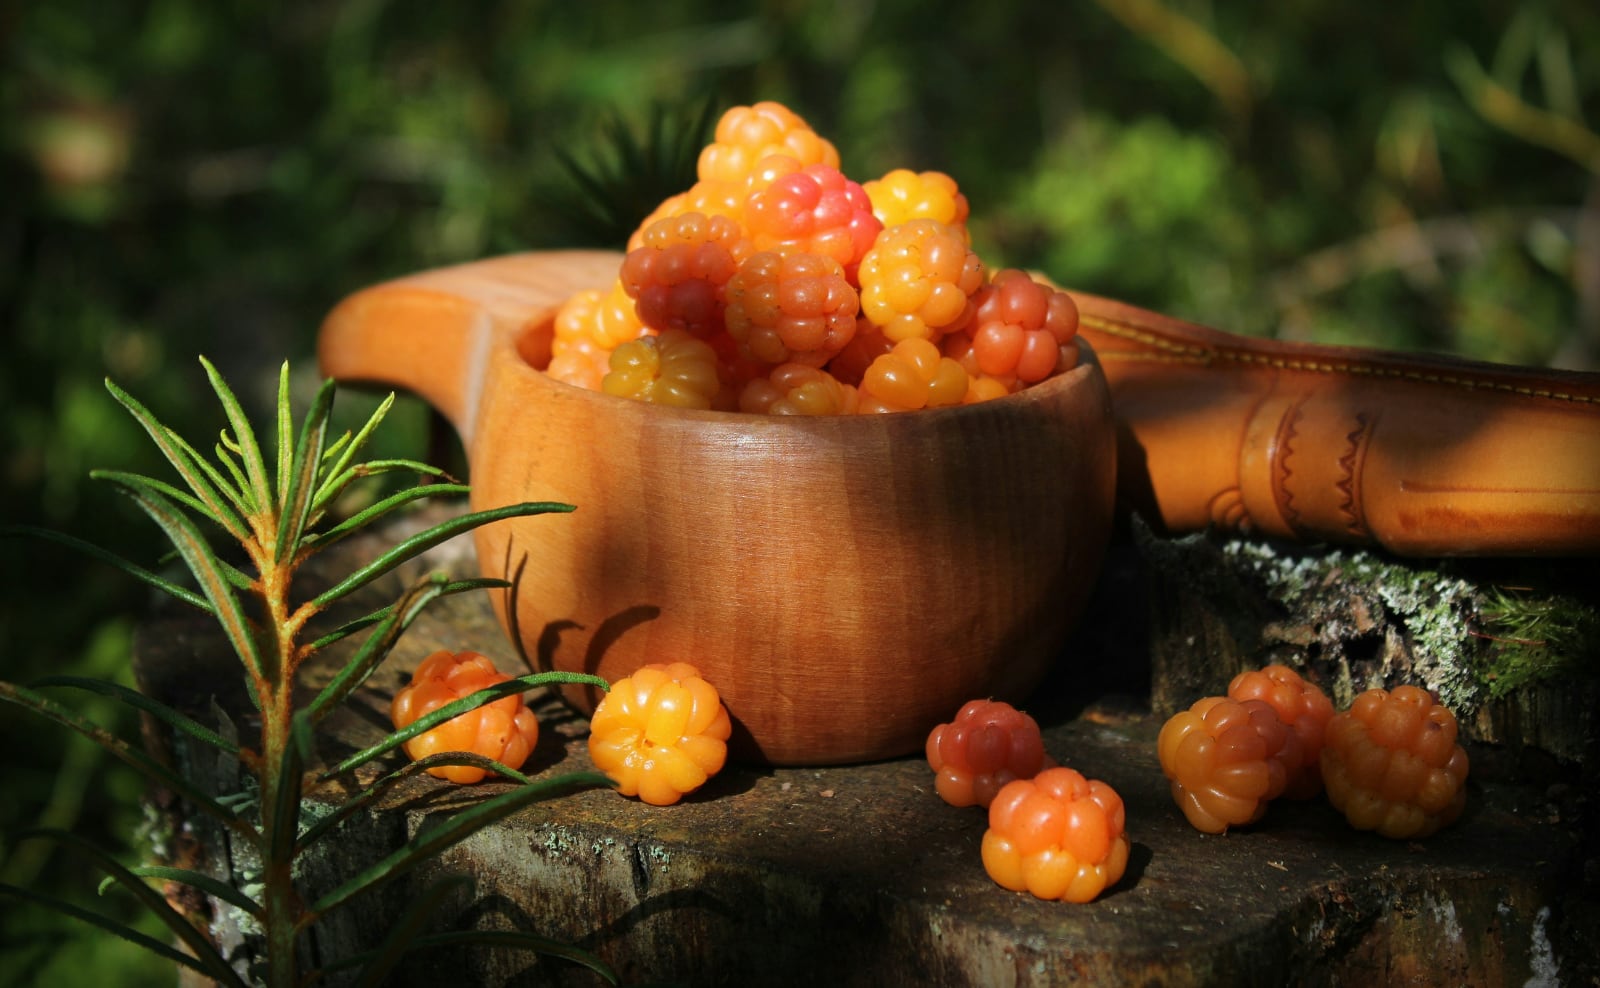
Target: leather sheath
{"type": "Point", "coordinates": [1421, 455]}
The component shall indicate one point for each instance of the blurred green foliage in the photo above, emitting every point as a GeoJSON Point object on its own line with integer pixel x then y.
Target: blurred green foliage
{"type": "Point", "coordinates": [210, 176]}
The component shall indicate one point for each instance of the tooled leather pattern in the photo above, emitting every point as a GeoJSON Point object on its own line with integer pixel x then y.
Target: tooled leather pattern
{"type": "Point", "coordinates": [1349, 482]}
{"type": "Point", "coordinates": [1282, 460]}
{"type": "Point", "coordinates": [1124, 338]}
{"type": "Point", "coordinates": [1356, 421]}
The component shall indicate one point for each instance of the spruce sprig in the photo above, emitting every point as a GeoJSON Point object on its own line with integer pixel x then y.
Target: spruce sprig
{"type": "Point", "coordinates": [278, 515]}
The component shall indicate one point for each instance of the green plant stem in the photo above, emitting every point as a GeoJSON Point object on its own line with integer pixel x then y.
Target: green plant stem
{"type": "Point", "coordinates": [280, 901]}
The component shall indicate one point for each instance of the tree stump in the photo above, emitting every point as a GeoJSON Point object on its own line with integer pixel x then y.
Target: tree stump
{"type": "Point", "coordinates": [1351, 620]}
{"type": "Point", "coordinates": [861, 875]}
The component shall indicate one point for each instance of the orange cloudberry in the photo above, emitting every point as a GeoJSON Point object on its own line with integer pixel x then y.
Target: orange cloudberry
{"type": "Point", "coordinates": [1391, 763]}
{"type": "Point", "coordinates": [708, 198]}
{"type": "Point", "coordinates": [576, 357]}
{"type": "Point", "coordinates": [913, 375]}
{"type": "Point", "coordinates": [1058, 836]}
{"type": "Point", "coordinates": [505, 730]}
{"type": "Point", "coordinates": [1226, 760]}
{"type": "Point", "coordinates": [797, 389]}
{"type": "Point", "coordinates": [790, 307]}
{"type": "Point", "coordinates": [660, 733]}
{"type": "Point", "coordinates": [747, 134]}
{"type": "Point", "coordinates": [616, 318]}
{"type": "Point", "coordinates": [903, 195]}
{"type": "Point", "coordinates": [918, 280]}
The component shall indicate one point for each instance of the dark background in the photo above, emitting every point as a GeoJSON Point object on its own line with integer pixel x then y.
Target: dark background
{"type": "Point", "coordinates": [183, 177]}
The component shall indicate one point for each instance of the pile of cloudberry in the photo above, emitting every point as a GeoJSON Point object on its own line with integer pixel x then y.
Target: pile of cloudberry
{"type": "Point", "coordinates": [1052, 832]}
{"type": "Point", "coordinates": [778, 285]}
{"type": "Point", "coordinates": [1390, 763]}
{"type": "Point", "coordinates": [659, 734]}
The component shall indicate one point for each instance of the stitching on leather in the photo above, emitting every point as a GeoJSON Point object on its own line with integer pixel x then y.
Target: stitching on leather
{"type": "Point", "coordinates": [1191, 354]}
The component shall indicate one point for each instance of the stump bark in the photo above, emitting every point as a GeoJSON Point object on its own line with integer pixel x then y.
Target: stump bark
{"type": "Point", "coordinates": [860, 875]}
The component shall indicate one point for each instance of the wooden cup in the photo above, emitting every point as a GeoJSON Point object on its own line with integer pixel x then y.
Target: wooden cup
{"type": "Point", "coordinates": [847, 582]}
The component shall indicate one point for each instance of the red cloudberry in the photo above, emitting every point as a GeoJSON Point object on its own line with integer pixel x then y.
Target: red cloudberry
{"type": "Point", "coordinates": [850, 364]}
{"type": "Point", "coordinates": [1303, 707]}
{"type": "Point", "coordinates": [980, 386]}
{"type": "Point", "coordinates": [988, 744]}
{"type": "Point", "coordinates": [812, 209]}
{"type": "Point", "coordinates": [1023, 328]}
{"type": "Point", "coordinates": [677, 274]}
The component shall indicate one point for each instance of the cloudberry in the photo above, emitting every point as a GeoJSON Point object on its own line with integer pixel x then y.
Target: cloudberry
{"type": "Point", "coordinates": [980, 386]}
{"type": "Point", "coordinates": [912, 375]}
{"type": "Point", "coordinates": [1058, 836]}
{"type": "Point", "coordinates": [671, 369]}
{"type": "Point", "coordinates": [791, 307]}
{"type": "Point", "coordinates": [850, 364]}
{"type": "Point", "coordinates": [798, 389]}
{"type": "Point", "coordinates": [660, 733]}
{"type": "Point", "coordinates": [1023, 328]}
{"type": "Point", "coordinates": [1391, 763]}
{"type": "Point", "coordinates": [1299, 704]}
{"type": "Point", "coordinates": [1226, 760]}
{"type": "Point", "coordinates": [747, 134]}
{"type": "Point", "coordinates": [616, 318]}
{"type": "Point", "coordinates": [812, 209]}
{"type": "Point", "coordinates": [918, 280]}
{"type": "Point", "coordinates": [576, 357]}
{"type": "Point", "coordinates": [985, 388]}
{"type": "Point", "coordinates": [677, 275]}
{"type": "Point", "coordinates": [709, 198]}
{"type": "Point", "coordinates": [904, 195]}
{"type": "Point", "coordinates": [505, 730]}
{"type": "Point", "coordinates": [988, 744]}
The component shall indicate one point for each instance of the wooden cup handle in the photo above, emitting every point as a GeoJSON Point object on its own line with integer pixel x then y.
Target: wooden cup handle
{"type": "Point", "coordinates": [433, 333]}
{"type": "Point", "coordinates": [1421, 455]}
